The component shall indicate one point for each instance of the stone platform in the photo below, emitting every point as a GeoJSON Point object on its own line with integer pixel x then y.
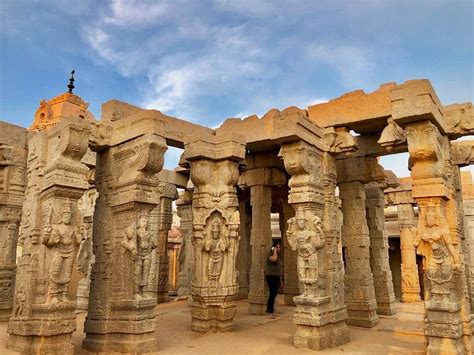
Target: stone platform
{"type": "Point", "coordinates": [402, 333]}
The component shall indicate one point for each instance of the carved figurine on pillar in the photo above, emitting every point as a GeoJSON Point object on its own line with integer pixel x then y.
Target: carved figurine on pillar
{"type": "Point", "coordinates": [433, 242]}
{"type": "Point", "coordinates": [305, 234]}
{"type": "Point", "coordinates": [62, 240]}
{"type": "Point", "coordinates": [139, 242]}
{"type": "Point", "coordinates": [216, 244]}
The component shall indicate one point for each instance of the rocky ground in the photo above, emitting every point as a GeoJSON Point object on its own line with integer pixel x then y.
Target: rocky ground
{"type": "Point", "coordinates": [399, 334]}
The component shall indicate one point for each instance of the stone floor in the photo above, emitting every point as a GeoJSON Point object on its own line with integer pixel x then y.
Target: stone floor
{"type": "Point", "coordinates": [399, 334]}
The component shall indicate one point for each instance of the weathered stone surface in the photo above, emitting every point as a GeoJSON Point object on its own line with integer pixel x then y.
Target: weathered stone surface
{"type": "Point", "coordinates": [320, 314]}
{"type": "Point", "coordinates": [13, 153]}
{"type": "Point", "coordinates": [437, 239]}
{"type": "Point", "coordinates": [186, 258]}
{"type": "Point", "coordinates": [121, 304]}
{"type": "Point", "coordinates": [214, 174]}
{"type": "Point", "coordinates": [43, 314]}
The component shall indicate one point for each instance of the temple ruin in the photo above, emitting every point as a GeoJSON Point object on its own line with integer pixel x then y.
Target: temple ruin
{"type": "Point", "coordinates": [86, 209]}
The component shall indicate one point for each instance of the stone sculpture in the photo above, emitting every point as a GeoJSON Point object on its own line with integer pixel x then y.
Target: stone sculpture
{"type": "Point", "coordinates": [139, 242]}
{"type": "Point", "coordinates": [305, 234]}
{"type": "Point", "coordinates": [433, 241]}
{"type": "Point", "coordinates": [61, 239]}
{"type": "Point", "coordinates": [392, 135]}
{"type": "Point", "coordinates": [216, 244]}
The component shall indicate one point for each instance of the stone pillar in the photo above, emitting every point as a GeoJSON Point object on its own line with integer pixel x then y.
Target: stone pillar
{"type": "Point", "coordinates": [360, 298]}
{"type": "Point", "coordinates": [410, 278]}
{"type": "Point", "coordinates": [214, 162]}
{"type": "Point", "coordinates": [168, 193]}
{"type": "Point", "coordinates": [291, 286]}
{"type": "Point", "coordinates": [13, 151]}
{"type": "Point", "coordinates": [260, 181]}
{"type": "Point", "coordinates": [244, 254]}
{"type": "Point", "coordinates": [379, 263]}
{"type": "Point", "coordinates": [437, 239]}
{"type": "Point", "coordinates": [121, 314]}
{"type": "Point", "coordinates": [185, 213]}
{"type": "Point", "coordinates": [261, 242]}
{"type": "Point", "coordinates": [320, 315]}
{"type": "Point", "coordinates": [43, 317]}
{"type": "Point", "coordinates": [468, 198]}
{"type": "Point", "coordinates": [85, 256]}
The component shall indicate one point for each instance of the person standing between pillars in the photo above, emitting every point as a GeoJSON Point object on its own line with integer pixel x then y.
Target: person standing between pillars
{"type": "Point", "coordinates": [273, 268]}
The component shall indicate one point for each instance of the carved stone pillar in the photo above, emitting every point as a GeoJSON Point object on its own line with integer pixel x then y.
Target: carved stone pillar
{"type": "Point", "coordinates": [291, 286]}
{"type": "Point", "coordinates": [379, 263]}
{"type": "Point", "coordinates": [13, 151]}
{"type": "Point", "coordinates": [320, 314]}
{"type": "Point", "coordinates": [261, 242]}
{"type": "Point", "coordinates": [121, 310]}
{"type": "Point", "coordinates": [165, 219]}
{"type": "Point", "coordinates": [85, 256]}
{"type": "Point", "coordinates": [410, 279]}
{"type": "Point", "coordinates": [244, 254]}
{"type": "Point", "coordinates": [438, 240]}
{"type": "Point", "coordinates": [360, 298]}
{"type": "Point", "coordinates": [260, 181]}
{"type": "Point", "coordinates": [43, 317]}
{"type": "Point", "coordinates": [214, 163]}
{"type": "Point", "coordinates": [185, 213]}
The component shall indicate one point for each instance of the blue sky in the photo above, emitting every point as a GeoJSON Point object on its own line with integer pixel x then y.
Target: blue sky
{"type": "Point", "coordinates": [208, 60]}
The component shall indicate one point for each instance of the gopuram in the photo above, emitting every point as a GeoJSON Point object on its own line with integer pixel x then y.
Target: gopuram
{"type": "Point", "coordinates": [86, 206]}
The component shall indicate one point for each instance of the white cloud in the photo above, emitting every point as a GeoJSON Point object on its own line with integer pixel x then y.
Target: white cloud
{"type": "Point", "coordinates": [135, 12]}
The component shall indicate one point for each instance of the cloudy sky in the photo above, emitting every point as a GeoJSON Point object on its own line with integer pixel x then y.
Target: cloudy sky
{"type": "Point", "coordinates": [207, 60]}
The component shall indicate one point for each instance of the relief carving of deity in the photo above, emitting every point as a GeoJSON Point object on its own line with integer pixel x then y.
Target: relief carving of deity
{"type": "Point", "coordinates": [61, 239]}
{"type": "Point", "coordinates": [85, 256]}
{"type": "Point", "coordinates": [433, 241]}
{"type": "Point", "coordinates": [139, 242]}
{"type": "Point", "coordinates": [216, 244]}
{"type": "Point", "coordinates": [305, 235]}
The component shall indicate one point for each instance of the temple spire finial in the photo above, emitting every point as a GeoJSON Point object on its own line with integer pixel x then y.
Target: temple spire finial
{"type": "Point", "coordinates": [71, 82]}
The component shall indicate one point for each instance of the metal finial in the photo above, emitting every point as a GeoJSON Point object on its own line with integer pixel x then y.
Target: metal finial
{"type": "Point", "coordinates": [71, 82]}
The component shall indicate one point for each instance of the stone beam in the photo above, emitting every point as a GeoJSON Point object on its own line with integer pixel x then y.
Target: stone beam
{"type": "Point", "coordinates": [275, 128]}
{"type": "Point", "coordinates": [462, 153]}
{"type": "Point", "coordinates": [129, 122]}
{"type": "Point", "coordinates": [411, 101]}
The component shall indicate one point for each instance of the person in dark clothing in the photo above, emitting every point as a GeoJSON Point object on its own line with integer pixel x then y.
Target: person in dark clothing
{"type": "Point", "coordinates": [273, 268]}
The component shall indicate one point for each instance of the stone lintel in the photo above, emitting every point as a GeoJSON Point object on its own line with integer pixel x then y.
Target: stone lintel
{"type": "Point", "coordinates": [399, 197]}
{"type": "Point", "coordinates": [275, 128]}
{"type": "Point", "coordinates": [459, 120]}
{"type": "Point", "coordinates": [365, 170]}
{"type": "Point", "coordinates": [129, 122]}
{"type": "Point", "coordinates": [262, 176]}
{"type": "Point", "coordinates": [462, 153]}
{"type": "Point", "coordinates": [173, 177]}
{"type": "Point", "coordinates": [226, 146]}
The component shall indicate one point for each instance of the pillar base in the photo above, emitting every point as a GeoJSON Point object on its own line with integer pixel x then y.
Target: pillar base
{"type": "Point", "coordinates": [5, 314]}
{"type": "Point", "coordinates": [362, 318]}
{"type": "Point", "coordinates": [288, 300]}
{"type": "Point", "coordinates": [258, 309]}
{"type": "Point", "coordinates": [386, 309]}
{"type": "Point", "coordinates": [120, 342]}
{"type": "Point", "coordinates": [318, 327]}
{"type": "Point", "coordinates": [56, 344]}
{"type": "Point", "coordinates": [162, 297]}
{"type": "Point", "coordinates": [129, 328]}
{"type": "Point", "coordinates": [218, 318]}
{"type": "Point", "coordinates": [410, 297]}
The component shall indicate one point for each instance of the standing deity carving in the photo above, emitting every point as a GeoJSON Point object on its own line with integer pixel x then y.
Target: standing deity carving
{"type": "Point", "coordinates": [85, 256]}
{"type": "Point", "coordinates": [305, 234]}
{"type": "Point", "coordinates": [139, 242]}
{"type": "Point", "coordinates": [433, 241]}
{"type": "Point", "coordinates": [216, 244]}
{"type": "Point", "coordinates": [62, 240]}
